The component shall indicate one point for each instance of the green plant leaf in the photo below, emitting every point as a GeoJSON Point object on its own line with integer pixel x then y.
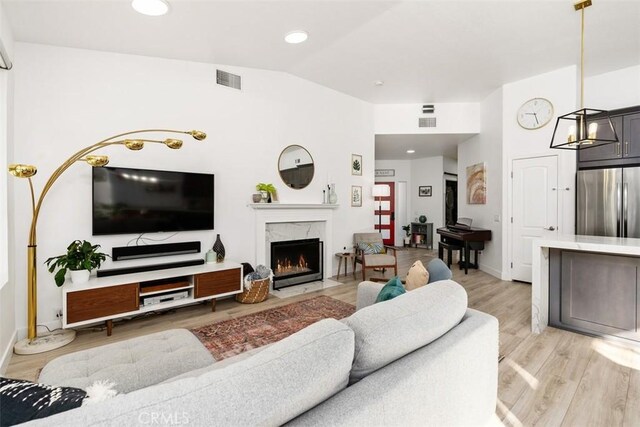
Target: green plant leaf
{"type": "Point", "coordinates": [59, 277]}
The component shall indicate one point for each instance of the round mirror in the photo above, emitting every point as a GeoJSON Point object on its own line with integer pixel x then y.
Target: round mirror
{"type": "Point", "coordinates": [296, 167]}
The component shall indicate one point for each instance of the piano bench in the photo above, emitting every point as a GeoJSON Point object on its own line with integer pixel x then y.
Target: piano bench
{"type": "Point", "coordinates": [450, 248]}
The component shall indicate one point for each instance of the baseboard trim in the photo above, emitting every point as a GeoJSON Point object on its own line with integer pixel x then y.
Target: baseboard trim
{"type": "Point", "coordinates": [492, 271]}
{"type": "Point", "coordinates": [6, 354]}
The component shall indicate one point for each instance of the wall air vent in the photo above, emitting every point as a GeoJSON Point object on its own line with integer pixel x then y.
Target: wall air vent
{"type": "Point", "coordinates": [428, 109]}
{"type": "Point", "coordinates": [227, 79]}
{"type": "Point", "coordinates": [426, 122]}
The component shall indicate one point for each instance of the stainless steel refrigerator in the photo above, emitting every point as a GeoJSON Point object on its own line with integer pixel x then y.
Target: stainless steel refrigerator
{"type": "Point", "coordinates": [608, 202]}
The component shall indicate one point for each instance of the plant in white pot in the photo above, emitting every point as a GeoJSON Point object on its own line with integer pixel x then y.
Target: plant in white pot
{"type": "Point", "coordinates": [81, 258]}
{"type": "Point", "coordinates": [407, 232]}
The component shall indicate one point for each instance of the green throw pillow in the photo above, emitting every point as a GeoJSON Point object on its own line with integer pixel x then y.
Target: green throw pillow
{"type": "Point", "coordinates": [392, 289]}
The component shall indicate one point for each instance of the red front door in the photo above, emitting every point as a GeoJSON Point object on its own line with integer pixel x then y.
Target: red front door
{"type": "Point", "coordinates": [385, 214]}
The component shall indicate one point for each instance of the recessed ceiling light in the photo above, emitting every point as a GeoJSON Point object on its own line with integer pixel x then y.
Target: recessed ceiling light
{"type": "Point", "coordinates": [411, 151]}
{"type": "Point", "coordinates": [378, 83]}
{"type": "Point", "coordinates": [150, 7]}
{"type": "Point", "coordinates": [295, 37]}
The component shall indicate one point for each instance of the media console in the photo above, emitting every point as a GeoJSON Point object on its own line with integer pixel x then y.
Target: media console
{"type": "Point", "coordinates": [103, 299]}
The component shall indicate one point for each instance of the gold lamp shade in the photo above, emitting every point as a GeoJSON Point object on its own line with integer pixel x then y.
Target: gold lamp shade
{"type": "Point", "coordinates": [134, 144]}
{"type": "Point", "coordinates": [173, 143]}
{"type": "Point", "coordinates": [22, 171]}
{"type": "Point", "coordinates": [198, 134]}
{"type": "Point", "coordinates": [97, 161]}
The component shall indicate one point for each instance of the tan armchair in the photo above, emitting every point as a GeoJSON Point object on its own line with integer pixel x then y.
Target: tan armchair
{"type": "Point", "coordinates": [386, 260]}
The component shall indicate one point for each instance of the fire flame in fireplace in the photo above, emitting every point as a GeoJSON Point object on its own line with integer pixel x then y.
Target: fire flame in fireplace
{"type": "Point", "coordinates": [286, 266]}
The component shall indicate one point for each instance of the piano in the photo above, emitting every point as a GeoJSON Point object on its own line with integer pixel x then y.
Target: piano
{"type": "Point", "coordinates": [469, 238]}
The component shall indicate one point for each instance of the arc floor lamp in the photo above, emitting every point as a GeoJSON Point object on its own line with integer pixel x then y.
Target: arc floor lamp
{"type": "Point", "coordinates": [38, 344]}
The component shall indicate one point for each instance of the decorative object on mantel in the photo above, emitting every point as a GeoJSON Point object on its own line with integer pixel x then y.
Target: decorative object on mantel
{"type": "Point", "coordinates": [356, 196]}
{"type": "Point", "coordinates": [333, 197]}
{"type": "Point", "coordinates": [424, 191]}
{"type": "Point", "coordinates": [256, 197]}
{"type": "Point", "coordinates": [81, 258]}
{"type": "Point", "coordinates": [267, 191]}
{"type": "Point", "coordinates": [218, 248]}
{"type": "Point", "coordinates": [477, 184]}
{"type": "Point", "coordinates": [356, 164]}
{"type": "Point", "coordinates": [231, 337]}
{"type": "Point", "coordinates": [210, 257]}
{"type": "Point", "coordinates": [581, 126]}
{"type": "Point", "coordinates": [256, 286]}
{"type": "Point", "coordinates": [422, 219]}
{"type": "Point", "coordinates": [34, 344]}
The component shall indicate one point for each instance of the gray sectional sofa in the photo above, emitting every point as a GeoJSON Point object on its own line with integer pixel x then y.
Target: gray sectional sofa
{"type": "Point", "coordinates": [422, 358]}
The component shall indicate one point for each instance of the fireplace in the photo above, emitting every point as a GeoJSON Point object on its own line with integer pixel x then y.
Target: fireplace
{"type": "Point", "coordinates": [296, 261]}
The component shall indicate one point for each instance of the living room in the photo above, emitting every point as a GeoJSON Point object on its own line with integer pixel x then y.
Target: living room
{"type": "Point", "coordinates": [84, 71]}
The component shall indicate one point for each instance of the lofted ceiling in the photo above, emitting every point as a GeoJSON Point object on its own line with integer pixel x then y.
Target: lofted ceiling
{"type": "Point", "coordinates": [424, 51]}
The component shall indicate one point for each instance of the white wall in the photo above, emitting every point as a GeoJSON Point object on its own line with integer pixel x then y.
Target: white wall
{"type": "Point", "coordinates": [617, 89]}
{"type": "Point", "coordinates": [428, 171]}
{"type": "Point", "coordinates": [69, 98]}
{"type": "Point", "coordinates": [559, 87]}
{"type": "Point", "coordinates": [450, 165]}
{"type": "Point", "coordinates": [485, 147]}
{"type": "Point", "coordinates": [402, 174]}
{"type": "Point", "coordinates": [403, 118]}
{"type": "Point", "coordinates": [7, 287]}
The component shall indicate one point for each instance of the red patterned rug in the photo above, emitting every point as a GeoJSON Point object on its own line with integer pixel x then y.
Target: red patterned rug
{"type": "Point", "coordinates": [230, 337]}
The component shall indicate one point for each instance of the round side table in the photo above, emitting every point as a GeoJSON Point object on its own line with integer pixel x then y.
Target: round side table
{"type": "Point", "coordinates": [347, 257]}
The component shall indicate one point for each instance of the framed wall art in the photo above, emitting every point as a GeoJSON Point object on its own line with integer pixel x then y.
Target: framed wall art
{"type": "Point", "coordinates": [424, 191]}
{"type": "Point", "coordinates": [477, 184]}
{"type": "Point", "coordinates": [356, 164]}
{"type": "Point", "coordinates": [356, 196]}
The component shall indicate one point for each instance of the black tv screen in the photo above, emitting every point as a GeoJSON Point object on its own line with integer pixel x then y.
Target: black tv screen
{"type": "Point", "coordinates": [134, 201]}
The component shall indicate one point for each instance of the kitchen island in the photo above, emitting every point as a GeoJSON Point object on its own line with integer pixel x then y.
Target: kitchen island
{"type": "Point", "coordinates": [588, 284]}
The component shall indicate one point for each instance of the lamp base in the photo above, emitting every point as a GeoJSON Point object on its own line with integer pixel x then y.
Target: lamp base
{"type": "Point", "coordinates": [45, 342]}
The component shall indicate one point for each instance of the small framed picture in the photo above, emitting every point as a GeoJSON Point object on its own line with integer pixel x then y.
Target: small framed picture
{"type": "Point", "coordinates": [356, 164]}
{"type": "Point", "coordinates": [424, 191]}
{"type": "Point", "coordinates": [356, 196]}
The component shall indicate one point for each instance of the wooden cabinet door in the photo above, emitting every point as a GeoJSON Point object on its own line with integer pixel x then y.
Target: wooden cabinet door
{"type": "Point", "coordinates": [631, 137]}
{"type": "Point", "coordinates": [102, 302]}
{"type": "Point", "coordinates": [599, 293]}
{"type": "Point", "coordinates": [607, 151]}
{"type": "Point", "coordinates": [217, 282]}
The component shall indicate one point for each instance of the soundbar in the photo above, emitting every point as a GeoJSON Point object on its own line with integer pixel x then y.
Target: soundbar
{"type": "Point", "coordinates": [148, 251]}
{"type": "Point", "coordinates": [142, 268]}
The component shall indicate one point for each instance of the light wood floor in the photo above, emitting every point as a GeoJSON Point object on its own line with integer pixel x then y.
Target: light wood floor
{"type": "Point", "coordinates": [552, 379]}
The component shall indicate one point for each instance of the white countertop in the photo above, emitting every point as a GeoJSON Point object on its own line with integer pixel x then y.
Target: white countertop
{"type": "Point", "coordinates": [617, 245]}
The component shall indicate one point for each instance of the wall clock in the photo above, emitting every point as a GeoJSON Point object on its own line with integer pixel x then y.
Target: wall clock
{"type": "Point", "coordinates": [535, 113]}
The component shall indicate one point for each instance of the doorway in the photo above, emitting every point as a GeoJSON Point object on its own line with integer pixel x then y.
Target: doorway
{"type": "Point", "coordinates": [385, 214]}
{"type": "Point", "coordinates": [450, 199]}
{"type": "Point", "coordinates": [534, 209]}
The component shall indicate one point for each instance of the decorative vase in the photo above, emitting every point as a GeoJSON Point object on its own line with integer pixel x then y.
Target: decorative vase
{"type": "Point", "coordinates": [333, 197]}
{"type": "Point", "coordinates": [256, 197]}
{"type": "Point", "coordinates": [80, 276]}
{"type": "Point", "coordinates": [210, 257]}
{"type": "Point", "coordinates": [422, 219]}
{"type": "Point", "coordinates": [218, 248]}
{"type": "Point", "coordinates": [265, 196]}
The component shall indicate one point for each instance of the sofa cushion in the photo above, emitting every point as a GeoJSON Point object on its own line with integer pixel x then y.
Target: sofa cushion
{"type": "Point", "coordinates": [386, 332]}
{"type": "Point", "coordinates": [130, 364]}
{"type": "Point", "coordinates": [379, 259]}
{"type": "Point", "coordinates": [417, 276]}
{"type": "Point", "coordinates": [392, 289]}
{"type": "Point", "coordinates": [270, 388]}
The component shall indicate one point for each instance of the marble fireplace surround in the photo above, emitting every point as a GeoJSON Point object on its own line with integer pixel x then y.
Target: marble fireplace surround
{"type": "Point", "coordinates": [278, 222]}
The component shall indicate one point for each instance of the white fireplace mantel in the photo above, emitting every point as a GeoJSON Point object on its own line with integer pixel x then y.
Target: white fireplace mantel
{"type": "Point", "coordinates": [272, 213]}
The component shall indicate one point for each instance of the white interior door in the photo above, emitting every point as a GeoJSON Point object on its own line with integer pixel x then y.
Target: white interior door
{"type": "Point", "coordinates": [534, 207]}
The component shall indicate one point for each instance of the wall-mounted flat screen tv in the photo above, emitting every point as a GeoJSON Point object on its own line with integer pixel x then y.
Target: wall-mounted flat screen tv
{"type": "Point", "coordinates": [134, 201]}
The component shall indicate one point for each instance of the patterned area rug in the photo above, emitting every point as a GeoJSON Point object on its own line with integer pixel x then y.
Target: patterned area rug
{"type": "Point", "coordinates": [230, 337]}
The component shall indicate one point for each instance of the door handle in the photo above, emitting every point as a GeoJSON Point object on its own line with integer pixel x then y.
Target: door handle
{"type": "Point", "coordinates": [626, 148]}
{"type": "Point", "coordinates": [552, 228]}
{"type": "Point", "coordinates": [624, 209]}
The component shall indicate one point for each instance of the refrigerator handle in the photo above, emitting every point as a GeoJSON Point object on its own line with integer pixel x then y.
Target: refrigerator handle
{"type": "Point", "coordinates": [624, 209]}
{"type": "Point", "coordinates": [619, 208]}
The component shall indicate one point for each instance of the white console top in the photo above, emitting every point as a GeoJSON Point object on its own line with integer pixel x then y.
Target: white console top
{"type": "Point", "coordinates": [121, 279]}
{"type": "Point", "coordinates": [617, 245]}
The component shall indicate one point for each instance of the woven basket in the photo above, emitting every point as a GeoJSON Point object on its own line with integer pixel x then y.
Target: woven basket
{"type": "Point", "coordinates": [259, 292]}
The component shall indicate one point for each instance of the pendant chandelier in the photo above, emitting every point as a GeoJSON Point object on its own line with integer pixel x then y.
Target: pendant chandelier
{"type": "Point", "coordinates": [586, 127]}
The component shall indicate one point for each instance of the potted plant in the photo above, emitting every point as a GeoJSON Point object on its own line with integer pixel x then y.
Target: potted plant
{"type": "Point", "coordinates": [81, 258]}
{"type": "Point", "coordinates": [407, 231]}
{"type": "Point", "coordinates": [265, 190]}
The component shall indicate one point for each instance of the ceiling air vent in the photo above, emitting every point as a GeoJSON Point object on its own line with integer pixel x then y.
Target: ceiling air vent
{"type": "Point", "coordinates": [227, 79]}
{"type": "Point", "coordinates": [427, 122]}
